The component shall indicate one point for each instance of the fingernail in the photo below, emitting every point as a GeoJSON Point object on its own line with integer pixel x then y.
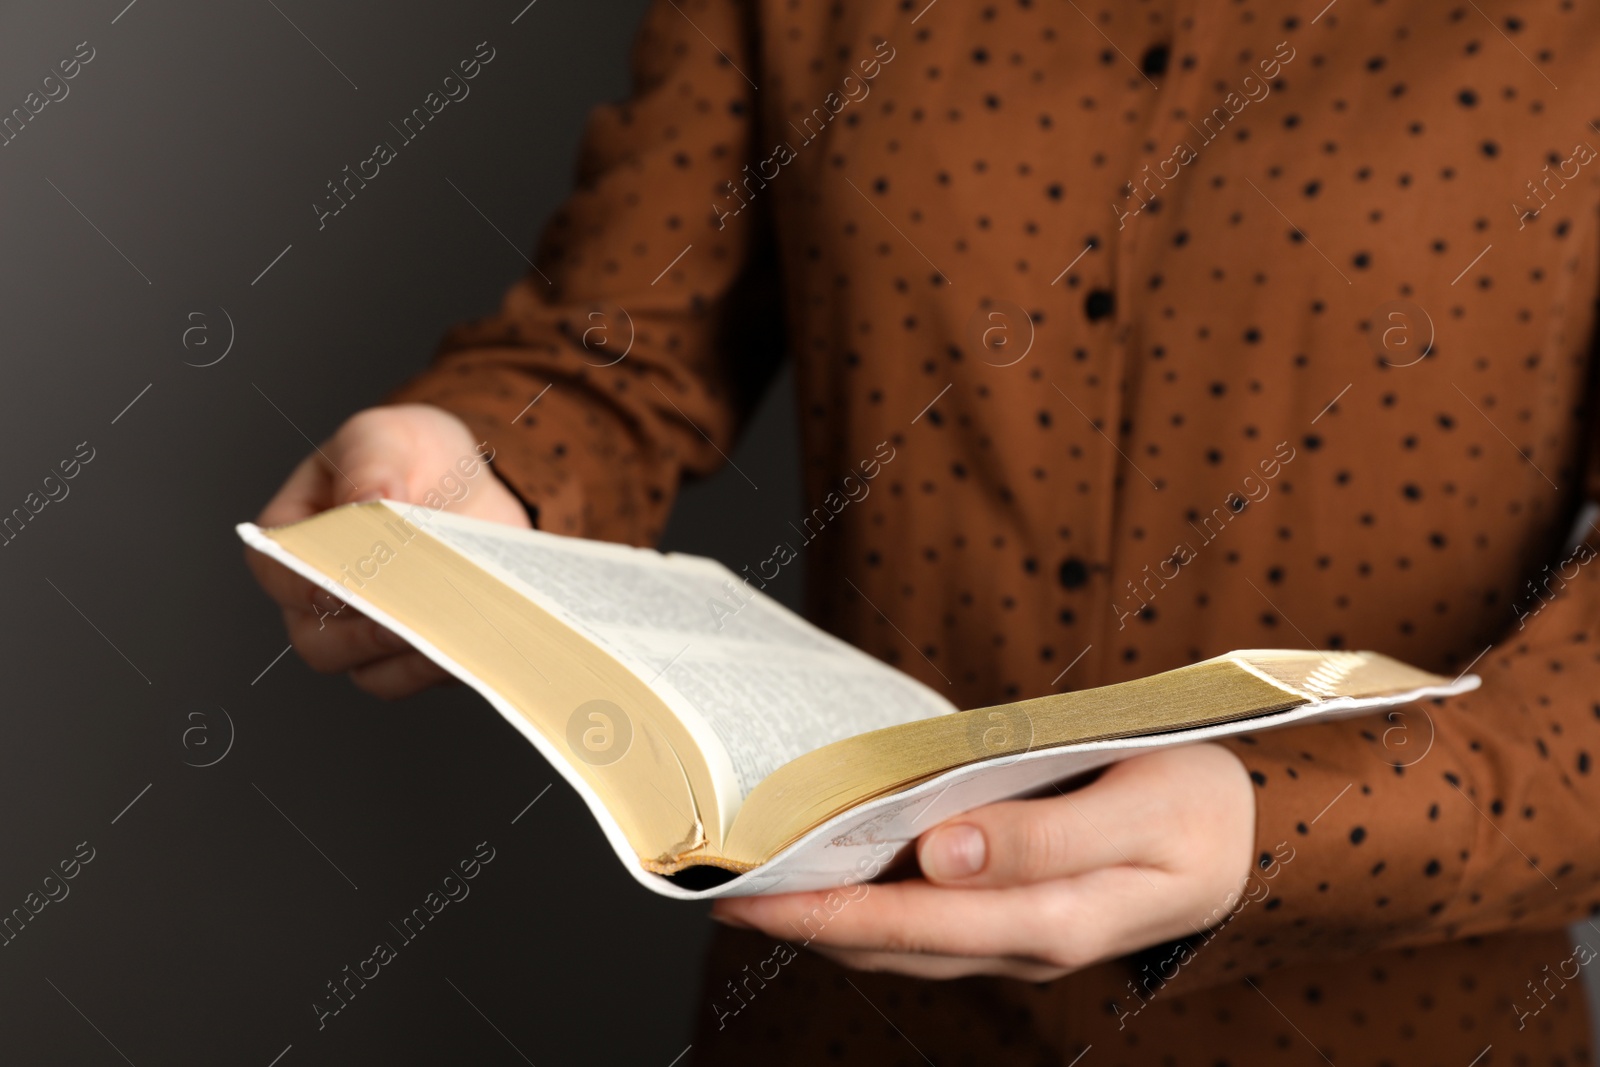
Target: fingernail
{"type": "Point", "coordinates": [377, 489]}
{"type": "Point", "coordinates": [327, 601]}
{"type": "Point", "coordinates": [954, 852]}
{"type": "Point", "coordinates": [729, 920]}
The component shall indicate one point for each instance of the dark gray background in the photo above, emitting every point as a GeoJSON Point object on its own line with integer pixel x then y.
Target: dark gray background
{"type": "Point", "coordinates": [195, 142]}
{"type": "Point", "coordinates": [221, 901]}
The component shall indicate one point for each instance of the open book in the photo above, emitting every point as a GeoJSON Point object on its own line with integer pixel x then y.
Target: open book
{"type": "Point", "coordinates": [727, 746]}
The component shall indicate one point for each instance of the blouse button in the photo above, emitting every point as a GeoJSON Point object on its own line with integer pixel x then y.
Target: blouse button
{"type": "Point", "coordinates": [1099, 304]}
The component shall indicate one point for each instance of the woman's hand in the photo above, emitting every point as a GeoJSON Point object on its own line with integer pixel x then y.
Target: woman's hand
{"type": "Point", "coordinates": [1155, 849]}
{"type": "Point", "coordinates": [415, 453]}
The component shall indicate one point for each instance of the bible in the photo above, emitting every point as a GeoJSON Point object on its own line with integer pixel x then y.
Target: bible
{"type": "Point", "coordinates": [727, 746]}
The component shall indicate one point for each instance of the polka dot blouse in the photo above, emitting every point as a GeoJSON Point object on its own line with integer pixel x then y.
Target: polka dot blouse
{"type": "Point", "coordinates": [1165, 328]}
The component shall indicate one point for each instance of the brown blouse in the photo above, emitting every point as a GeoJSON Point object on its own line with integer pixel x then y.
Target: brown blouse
{"type": "Point", "coordinates": [1191, 327]}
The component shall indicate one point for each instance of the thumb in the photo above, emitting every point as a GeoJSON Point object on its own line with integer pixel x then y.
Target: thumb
{"type": "Point", "coordinates": [371, 458]}
{"type": "Point", "coordinates": [1024, 842]}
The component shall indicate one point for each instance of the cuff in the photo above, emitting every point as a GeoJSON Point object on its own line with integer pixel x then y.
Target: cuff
{"type": "Point", "coordinates": [1362, 842]}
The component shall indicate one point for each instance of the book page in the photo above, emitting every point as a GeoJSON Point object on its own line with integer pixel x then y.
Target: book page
{"type": "Point", "coordinates": [767, 685]}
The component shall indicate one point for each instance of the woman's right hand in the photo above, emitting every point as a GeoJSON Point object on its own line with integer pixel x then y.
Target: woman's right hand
{"type": "Point", "coordinates": [402, 452]}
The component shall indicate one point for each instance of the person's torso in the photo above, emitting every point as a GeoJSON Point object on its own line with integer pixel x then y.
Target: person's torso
{"type": "Point", "coordinates": [1188, 327]}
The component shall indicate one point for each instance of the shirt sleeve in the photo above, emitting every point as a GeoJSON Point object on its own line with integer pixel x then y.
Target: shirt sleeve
{"type": "Point", "coordinates": [1439, 821]}
{"type": "Point", "coordinates": [624, 361]}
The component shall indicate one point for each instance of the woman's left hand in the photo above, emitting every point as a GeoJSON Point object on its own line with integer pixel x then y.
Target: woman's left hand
{"type": "Point", "coordinates": [1157, 848]}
